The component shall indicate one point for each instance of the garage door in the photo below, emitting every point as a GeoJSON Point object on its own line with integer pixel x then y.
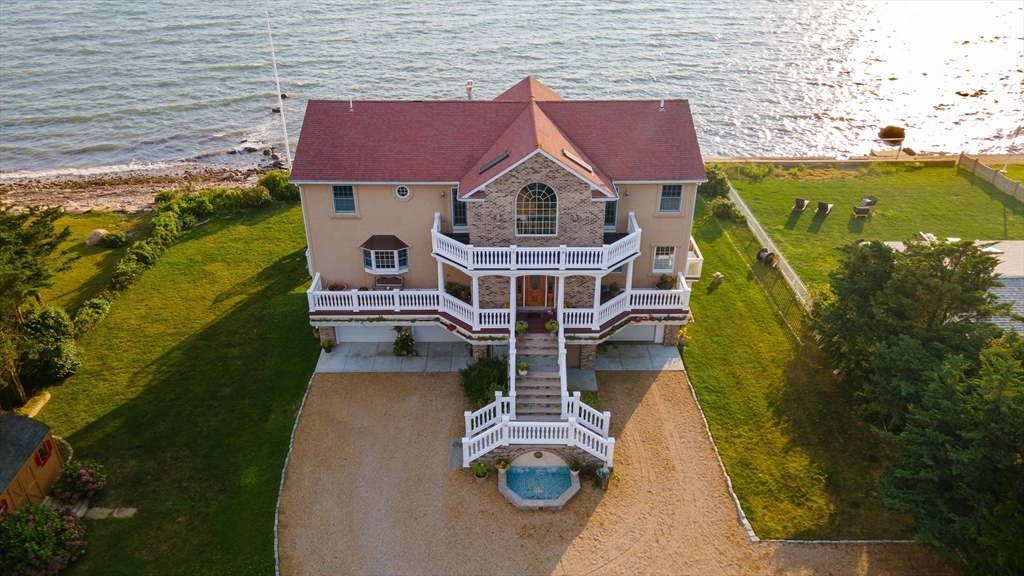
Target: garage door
{"type": "Point", "coordinates": [635, 334]}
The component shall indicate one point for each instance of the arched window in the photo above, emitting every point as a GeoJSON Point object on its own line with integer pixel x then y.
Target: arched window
{"type": "Point", "coordinates": [536, 211]}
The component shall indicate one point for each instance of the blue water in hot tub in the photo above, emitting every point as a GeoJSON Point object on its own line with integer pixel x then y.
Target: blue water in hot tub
{"type": "Point", "coordinates": [538, 482]}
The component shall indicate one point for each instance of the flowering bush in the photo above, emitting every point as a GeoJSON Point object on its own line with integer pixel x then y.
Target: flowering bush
{"type": "Point", "coordinates": [38, 540]}
{"type": "Point", "coordinates": [80, 479]}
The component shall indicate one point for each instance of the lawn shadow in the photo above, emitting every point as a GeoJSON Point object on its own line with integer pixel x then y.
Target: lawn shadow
{"type": "Point", "coordinates": [816, 222]}
{"type": "Point", "coordinates": [794, 217]}
{"type": "Point", "coordinates": [856, 225]}
{"type": "Point", "coordinates": [816, 407]}
{"type": "Point", "coordinates": [712, 286]}
{"type": "Point", "coordinates": [199, 446]}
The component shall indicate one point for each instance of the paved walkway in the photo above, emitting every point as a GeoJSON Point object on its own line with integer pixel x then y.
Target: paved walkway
{"type": "Point", "coordinates": [450, 356]}
{"type": "Point", "coordinates": [379, 357]}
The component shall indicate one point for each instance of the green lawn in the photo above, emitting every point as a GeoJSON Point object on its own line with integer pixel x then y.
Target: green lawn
{"type": "Point", "coordinates": [937, 200]}
{"type": "Point", "coordinates": [188, 395]}
{"type": "Point", "coordinates": [92, 266]}
{"type": "Point", "coordinates": [1014, 172]}
{"type": "Point", "coordinates": [802, 464]}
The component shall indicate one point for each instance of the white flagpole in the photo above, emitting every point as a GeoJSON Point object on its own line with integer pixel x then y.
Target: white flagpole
{"type": "Point", "coordinates": [280, 100]}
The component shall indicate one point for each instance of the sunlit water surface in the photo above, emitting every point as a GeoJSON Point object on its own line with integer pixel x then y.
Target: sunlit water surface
{"type": "Point", "coordinates": [88, 84]}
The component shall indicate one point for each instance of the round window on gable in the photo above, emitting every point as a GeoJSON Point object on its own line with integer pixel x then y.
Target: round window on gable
{"type": "Point", "coordinates": [402, 192]}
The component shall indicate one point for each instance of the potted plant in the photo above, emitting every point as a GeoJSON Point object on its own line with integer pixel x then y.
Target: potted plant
{"type": "Point", "coordinates": [521, 327]}
{"type": "Point", "coordinates": [574, 468]}
{"type": "Point", "coordinates": [667, 282]}
{"type": "Point", "coordinates": [613, 289]}
{"type": "Point", "coordinates": [328, 345]}
{"type": "Point", "coordinates": [522, 368]}
{"type": "Point", "coordinates": [502, 467]}
{"type": "Point", "coordinates": [551, 326]}
{"type": "Point", "coordinates": [338, 287]}
{"type": "Point", "coordinates": [479, 471]}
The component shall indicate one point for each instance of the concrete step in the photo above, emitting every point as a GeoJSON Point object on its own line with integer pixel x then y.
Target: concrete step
{"type": "Point", "coordinates": [537, 409]}
{"type": "Point", "coordinates": [537, 418]}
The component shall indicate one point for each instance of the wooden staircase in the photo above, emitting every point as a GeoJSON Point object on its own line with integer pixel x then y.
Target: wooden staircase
{"type": "Point", "coordinates": [539, 393]}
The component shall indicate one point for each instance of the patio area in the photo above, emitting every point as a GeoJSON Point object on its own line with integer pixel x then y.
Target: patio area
{"type": "Point", "coordinates": [385, 502]}
{"type": "Point", "coordinates": [380, 357]}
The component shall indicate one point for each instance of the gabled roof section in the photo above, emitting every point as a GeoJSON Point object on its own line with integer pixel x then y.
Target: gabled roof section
{"type": "Point", "coordinates": [531, 131]}
{"type": "Point", "coordinates": [527, 89]}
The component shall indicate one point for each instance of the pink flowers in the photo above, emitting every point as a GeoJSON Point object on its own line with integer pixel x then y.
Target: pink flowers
{"type": "Point", "coordinates": [80, 479]}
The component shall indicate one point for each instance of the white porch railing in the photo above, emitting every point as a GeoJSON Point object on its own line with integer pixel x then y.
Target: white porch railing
{"type": "Point", "coordinates": [694, 261]}
{"type": "Point", "coordinates": [585, 415]}
{"type": "Point", "coordinates": [513, 257]}
{"type": "Point", "coordinates": [671, 301]}
{"type": "Point", "coordinates": [429, 300]}
{"type": "Point", "coordinates": [507, 432]}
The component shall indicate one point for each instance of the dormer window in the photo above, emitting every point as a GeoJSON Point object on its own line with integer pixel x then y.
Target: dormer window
{"type": "Point", "coordinates": [385, 255]}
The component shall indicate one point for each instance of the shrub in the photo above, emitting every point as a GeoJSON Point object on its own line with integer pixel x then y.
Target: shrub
{"type": "Point", "coordinates": [165, 199]}
{"type": "Point", "coordinates": [479, 469]}
{"type": "Point", "coordinates": [113, 239]}
{"type": "Point", "coordinates": [126, 273]}
{"type": "Point", "coordinates": [404, 345]}
{"type": "Point", "coordinates": [80, 480]}
{"type": "Point", "coordinates": [667, 282]}
{"type": "Point", "coordinates": [522, 326]}
{"type": "Point", "coordinates": [40, 540]}
{"type": "Point", "coordinates": [725, 209]}
{"type": "Point", "coordinates": [751, 171]}
{"type": "Point", "coordinates": [482, 378]}
{"type": "Point", "coordinates": [91, 312]}
{"type": "Point", "coordinates": [890, 132]}
{"type": "Point", "coordinates": [52, 354]}
{"type": "Point", "coordinates": [145, 252]}
{"type": "Point", "coordinates": [166, 228]}
{"type": "Point", "coordinates": [276, 182]}
{"type": "Point", "coordinates": [717, 185]}
{"type": "Point", "coordinates": [198, 205]}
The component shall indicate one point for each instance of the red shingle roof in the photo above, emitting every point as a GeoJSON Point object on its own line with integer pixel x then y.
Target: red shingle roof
{"type": "Point", "coordinates": [449, 141]}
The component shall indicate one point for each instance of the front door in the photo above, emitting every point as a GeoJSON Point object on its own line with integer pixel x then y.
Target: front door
{"type": "Point", "coordinates": [538, 291]}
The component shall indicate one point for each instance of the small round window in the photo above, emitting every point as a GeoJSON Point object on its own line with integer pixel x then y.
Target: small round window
{"type": "Point", "coordinates": [402, 191]}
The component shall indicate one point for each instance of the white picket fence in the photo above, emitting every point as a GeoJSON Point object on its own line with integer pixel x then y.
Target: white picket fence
{"type": "Point", "coordinates": [1000, 181]}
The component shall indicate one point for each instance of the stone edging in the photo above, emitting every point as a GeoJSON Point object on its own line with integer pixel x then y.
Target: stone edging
{"type": "Point", "coordinates": [739, 508]}
{"type": "Point", "coordinates": [287, 457]}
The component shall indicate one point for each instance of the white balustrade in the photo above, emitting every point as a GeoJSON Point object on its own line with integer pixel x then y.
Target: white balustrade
{"type": "Point", "coordinates": [488, 415]}
{"type": "Point", "coordinates": [577, 318]}
{"type": "Point", "coordinates": [543, 258]}
{"type": "Point", "coordinates": [587, 416]}
{"type": "Point", "coordinates": [694, 261]}
{"type": "Point", "coordinates": [507, 431]}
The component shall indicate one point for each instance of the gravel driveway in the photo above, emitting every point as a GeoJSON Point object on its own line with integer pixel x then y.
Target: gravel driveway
{"type": "Point", "coordinates": [368, 491]}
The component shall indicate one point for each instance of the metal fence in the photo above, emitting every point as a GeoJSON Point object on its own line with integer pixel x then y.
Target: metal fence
{"type": "Point", "coordinates": [790, 275]}
{"type": "Point", "coordinates": [1004, 184]}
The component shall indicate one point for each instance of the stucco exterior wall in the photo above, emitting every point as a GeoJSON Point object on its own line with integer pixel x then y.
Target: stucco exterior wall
{"type": "Point", "coordinates": [659, 229]}
{"type": "Point", "coordinates": [486, 229]}
{"type": "Point", "coordinates": [334, 239]}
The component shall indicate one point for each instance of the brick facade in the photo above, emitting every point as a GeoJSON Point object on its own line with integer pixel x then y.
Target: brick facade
{"type": "Point", "coordinates": [579, 291]}
{"type": "Point", "coordinates": [494, 291]}
{"type": "Point", "coordinates": [327, 333]}
{"type": "Point", "coordinates": [485, 229]}
{"type": "Point", "coordinates": [588, 355]}
{"type": "Point", "coordinates": [479, 352]}
{"type": "Point", "coordinates": [672, 334]}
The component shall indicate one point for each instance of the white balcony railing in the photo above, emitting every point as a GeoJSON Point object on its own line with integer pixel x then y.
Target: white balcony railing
{"type": "Point", "coordinates": [694, 261]}
{"type": "Point", "coordinates": [413, 300]}
{"type": "Point", "coordinates": [563, 257]}
{"type": "Point", "coordinates": [670, 301]}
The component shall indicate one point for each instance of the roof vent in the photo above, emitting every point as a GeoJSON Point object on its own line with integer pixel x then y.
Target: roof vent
{"type": "Point", "coordinates": [350, 105]}
{"type": "Point", "coordinates": [469, 90]}
{"type": "Point", "coordinates": [577, 160]}
{"type": "Point", "coordinates": [662, 106]}
{"type": "Point", "coordinates": [491, 164]}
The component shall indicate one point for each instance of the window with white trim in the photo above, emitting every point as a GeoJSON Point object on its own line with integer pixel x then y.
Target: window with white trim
{"type": "Point", "coordinates": [460, 216]}
{"type": "Point", "coordinates": [664, 259]}
{"type": "Point", "coordinates": [402, 192]}
{"type": "Point", "coordinates": [386, 261]}
{"type": "Point", "coordinates": [536, 211]}
{"type": "Point", "coordinates": [611, 210]}
{"type": "Point", "coordinates": [671, 198]}
{"type": "Point", "coordinates": [344, 200]}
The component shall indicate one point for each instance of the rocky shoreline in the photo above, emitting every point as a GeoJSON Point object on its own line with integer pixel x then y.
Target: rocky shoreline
{"type": "Point", "coordinates": [122, 191]}
{"type": "Point", "coordinates": [133, 190]}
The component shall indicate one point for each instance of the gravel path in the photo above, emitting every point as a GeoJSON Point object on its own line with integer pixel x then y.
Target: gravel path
{"type": "Point", "coordinates": [368, 491]}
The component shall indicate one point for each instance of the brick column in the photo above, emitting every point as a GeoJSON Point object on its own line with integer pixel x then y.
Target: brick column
{"type": "Point", "coordinates": [327, 333]}
{"type": "Point", "coordinates": [588, 354]}
{"type": "Point", "coordinates": [671, 335]}
{"type": "Point", "coordinates": [479, 352]}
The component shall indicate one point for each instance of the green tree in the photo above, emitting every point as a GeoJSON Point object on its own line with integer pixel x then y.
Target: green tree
{"type": "Point", "coordinates": [896, 317]}
{"type": "Point", "coordinates": [29, 243]}
{"type": "Point", "coordinates": [959, 469]}
{"type": "Point", "coordinates": [717, 185]}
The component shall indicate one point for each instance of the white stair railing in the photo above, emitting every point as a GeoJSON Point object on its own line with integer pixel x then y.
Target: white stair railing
{"type": "Point", "coordinates": [488, 415]}
{"type": "Point", "coordinates": [508, 432]}
{"type": "Point", "coordinates": [587, 416]}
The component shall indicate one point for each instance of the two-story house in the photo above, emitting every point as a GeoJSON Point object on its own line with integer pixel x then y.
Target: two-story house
{"type": "Point", "coordinates": [456, 219]}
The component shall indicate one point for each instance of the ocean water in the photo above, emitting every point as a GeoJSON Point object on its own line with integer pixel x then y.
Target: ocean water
{"type": "Point", "coordinates": [105, 83]}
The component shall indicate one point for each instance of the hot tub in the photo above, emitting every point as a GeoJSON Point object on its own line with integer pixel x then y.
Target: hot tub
{"type": "Point", "coordinates": [538, 480]}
